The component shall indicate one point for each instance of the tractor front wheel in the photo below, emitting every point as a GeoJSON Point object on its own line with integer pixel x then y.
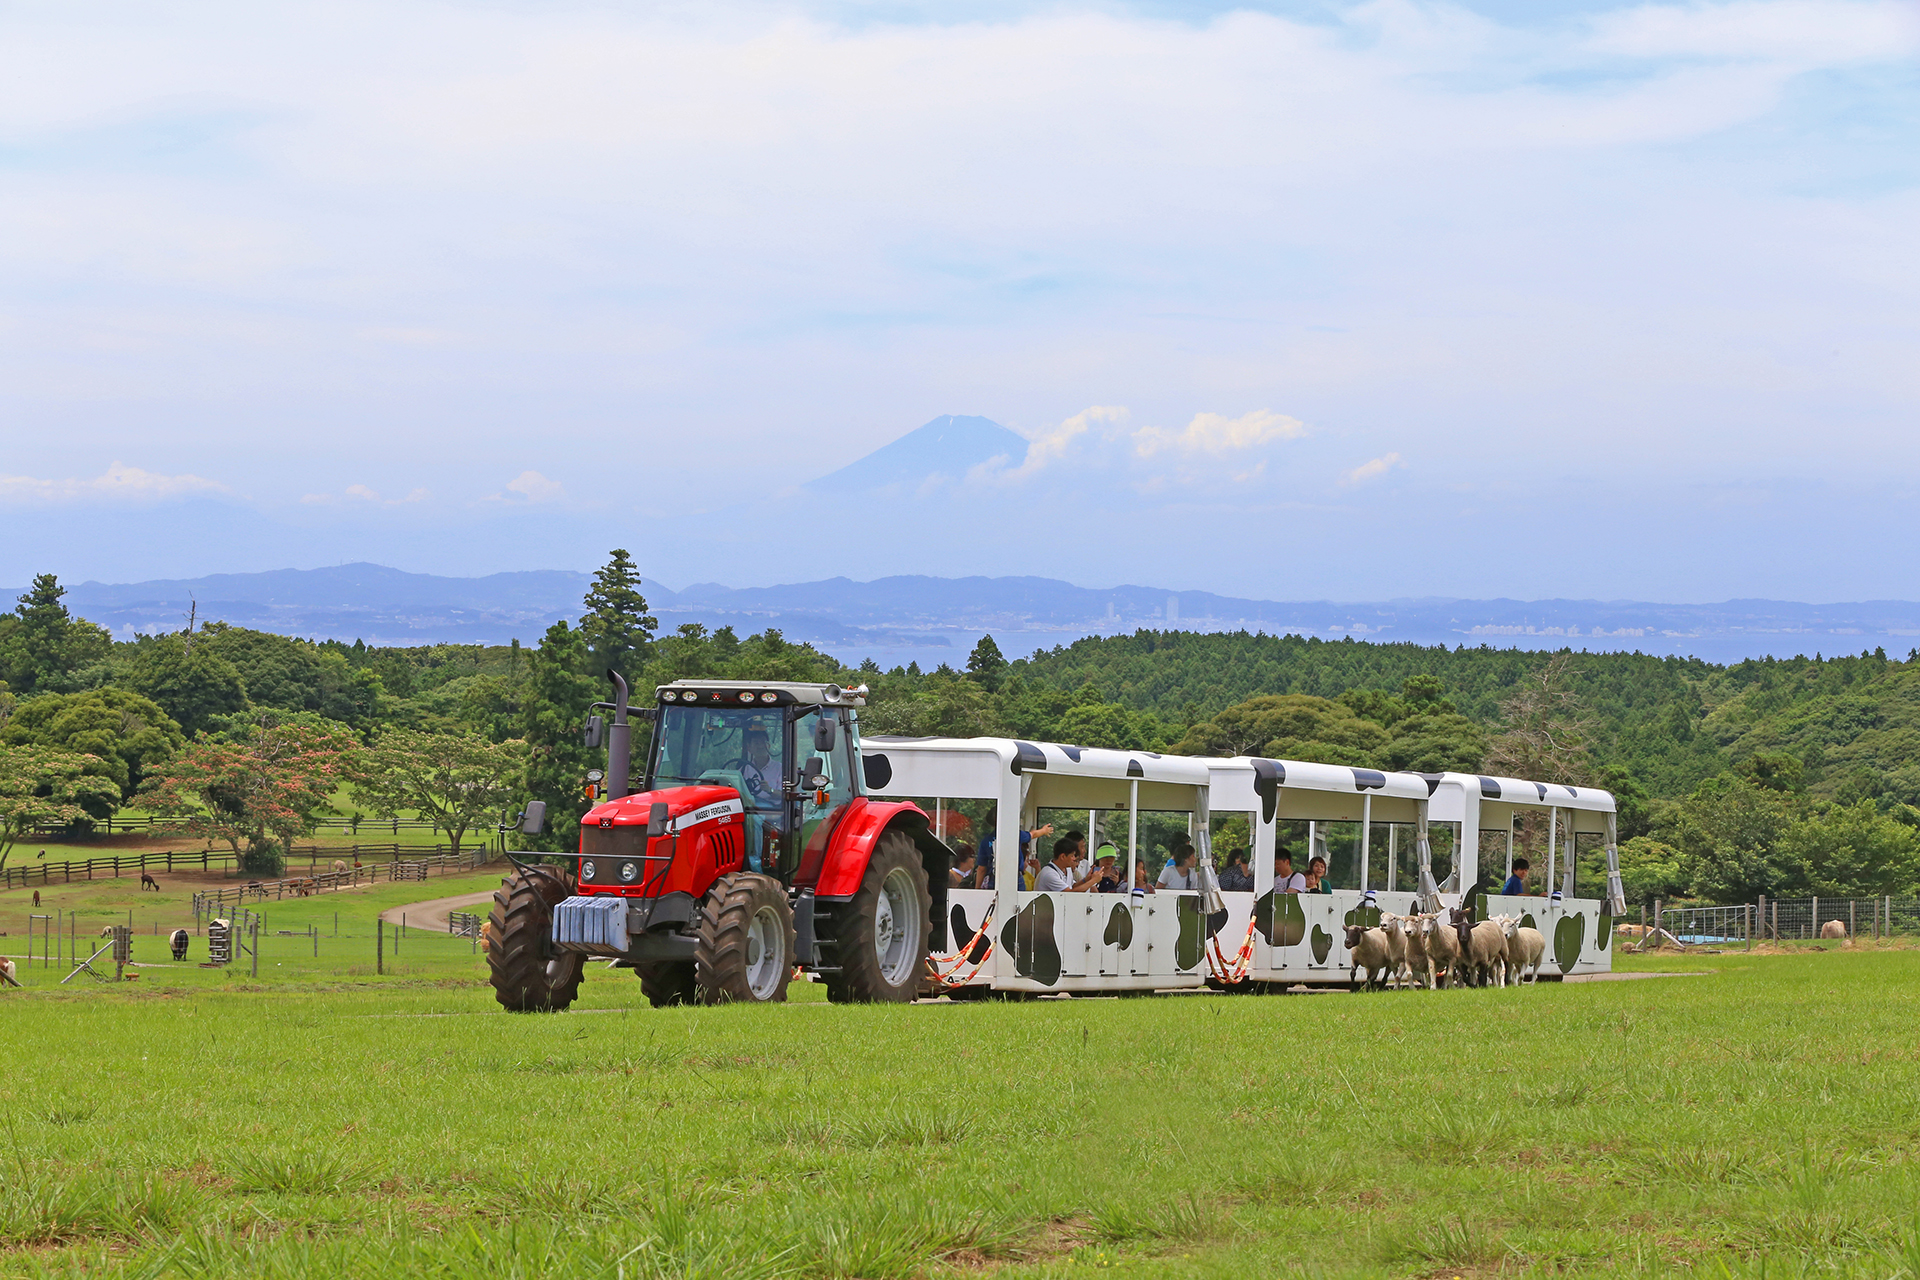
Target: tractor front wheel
{"type": "Point", "coordinates": [666, 982]}
{"type": "Point", "coordinates": [525, 978]}
{"type": "Point", "coordinates": [746, 943]}
{"type": "Point", "coordinates": [881, 933]}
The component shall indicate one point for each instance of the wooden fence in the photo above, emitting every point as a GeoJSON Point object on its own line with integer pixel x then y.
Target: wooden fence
{"type": "Point", "coordinates": [209, 902]}
{"type": "Point", "coordinates": [31, 873]}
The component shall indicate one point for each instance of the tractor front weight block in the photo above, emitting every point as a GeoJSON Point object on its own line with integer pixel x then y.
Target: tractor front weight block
{"type": "Point", "coordinates": [613, 927]}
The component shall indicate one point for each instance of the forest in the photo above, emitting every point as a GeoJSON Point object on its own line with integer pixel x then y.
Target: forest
{"type": "Point", "coordinates": [1776, 776]}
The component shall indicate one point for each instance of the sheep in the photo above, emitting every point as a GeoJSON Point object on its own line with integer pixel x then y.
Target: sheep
{"type": "Point", "coordinates": [1483, 949]}
{"type": "Point", "coordinates": [1395, 927]}
{"type": "Point", "coordinates": [1443, 950]}
{"type": "Point", "coordinates": [339, 867]}
{"type": "Point", "coordinates": [1368, 949]}
{"type": "Point", "coordinates": [1833, 929]}
{"type": "Point", "coordinates": [178, 941]}
{"type": "Point", "coordinates": [1525, 948]}
{"type": "Point", "coordinates": [1419, 963]}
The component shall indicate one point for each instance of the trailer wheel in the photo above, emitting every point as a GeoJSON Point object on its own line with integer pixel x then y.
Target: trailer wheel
{"type": "Point", "coordinates": [666, 982]}
{"type": "Point", "coordinates": [746, 942]}
{"type": "Point", "coordinates": [525, 978]}
{"type": "Point", "coordinates": [882, 932]}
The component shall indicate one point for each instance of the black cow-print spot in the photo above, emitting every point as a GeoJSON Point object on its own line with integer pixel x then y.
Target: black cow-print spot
{"type": "Point", "coordinates": [1030, 937]}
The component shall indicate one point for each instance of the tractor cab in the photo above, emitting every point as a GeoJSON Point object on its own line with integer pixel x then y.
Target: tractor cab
{"type": "Point", "coordinates": [751, 847]}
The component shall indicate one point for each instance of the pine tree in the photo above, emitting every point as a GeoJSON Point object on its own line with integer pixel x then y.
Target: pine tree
{"type": "Point", "coordinates": [617, 627]}
{"type": "Point", "coordinates": [986, 664]}
{"type": "Point", "coordinates": [553, 713]}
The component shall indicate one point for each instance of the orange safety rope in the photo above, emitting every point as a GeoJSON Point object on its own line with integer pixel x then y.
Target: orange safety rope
{"type": "Point", "coordinates": [1236, 969]}
{"type": "Point", "coordinates": [946, 977]}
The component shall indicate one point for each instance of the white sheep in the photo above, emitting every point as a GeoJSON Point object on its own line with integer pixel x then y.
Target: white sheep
{"type": "Point", "coordinates": [1443, 950]}
{"type": "Point", "coordinates": [1419, 963]}
{"type": "Point", "coordinates": [1833, 929]}
{"type": "Point", "coordinates": [1368, 950]}
{"type": "Point", "coordinates": [1395, 927]}
{"type": "Point", "coordinates": [1526, 947]}
{"type": "Point", "coordinates": [1483, 949]}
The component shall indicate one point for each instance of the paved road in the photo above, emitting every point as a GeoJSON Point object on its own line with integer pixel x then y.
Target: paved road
{"type": "Point", "coordinates": [432, 914]}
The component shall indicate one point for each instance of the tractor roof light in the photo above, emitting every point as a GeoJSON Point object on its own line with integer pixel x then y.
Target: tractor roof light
{"type": "Point", "coordinates": [746, 695]}
{"type": "Point", "coordinates": [769, 696]}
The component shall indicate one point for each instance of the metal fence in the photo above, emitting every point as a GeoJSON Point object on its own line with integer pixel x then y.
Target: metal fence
{"type": "Point", "coordinates": [1786, 920]}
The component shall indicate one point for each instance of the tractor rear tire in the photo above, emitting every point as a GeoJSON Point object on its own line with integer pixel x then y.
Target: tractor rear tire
{"type": "Point", "coordinates": [881, 933]}
{"type": "Point", "coordinates": [666, 982]}
{"type": "Point", "coordinates": [746, 944]}
{"type": "Point", "coordinates": [525, 978]}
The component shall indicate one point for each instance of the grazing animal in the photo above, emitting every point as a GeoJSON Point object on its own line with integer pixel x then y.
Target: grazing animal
{"type": "Point", "coordinates": [106, 931]}
{"type": "Point", "coordinates": [339, 867]}
{"type": "Point", "coordinates": [1443, 950]}
{"type": "Point", "coordinates": [1419, 963]}
{"type": "Point", "coordinates": [148, 882]}
{"type": "Point", "coordinates": [6, 972]}
{"type": "Point", "coordinates": [178, 941]}
{"type": "Point", "coordinates": [486, 936]}
{"type": "Point", "coordinates": [1483, 949]}
{"type": "Point", "coordinates": [1368, 948]}
{"type": "Point", "coordinates": [1395, 927]}
{"type": "Point", "coordinates": [1526, 948]}
{"type": "Point", "coordinates": [36, 897]}
{"type": "Point", "coordinates": [1833, 929]}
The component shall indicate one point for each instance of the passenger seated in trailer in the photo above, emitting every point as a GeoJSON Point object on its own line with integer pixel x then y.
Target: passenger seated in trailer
{"type": "Point", "coordinates": [964, 870]}
{"type": "Point", "coordinates": [1179, 872]}
{"type": "Point", "coordinates": [1285, 878]}
{"type": "Point", "coordinates": [1140, 882]}
{"type": "Point", "coordinates": [1105, 860]}
{"type": "Point", "coordinates": [1316, 878]}
{"type": "Point", "coordinates": [1238, 876]}
{"type": "Point", "coordinates": [1062, 874]}
{"type": "Point", "coordinates": [991, 825]}
{"type": "Point", "coordinates": [1516, 884]}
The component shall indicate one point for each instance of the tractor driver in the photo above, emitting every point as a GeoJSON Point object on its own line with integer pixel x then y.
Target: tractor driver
{"type": "Point", "coordinates": [765, 779]}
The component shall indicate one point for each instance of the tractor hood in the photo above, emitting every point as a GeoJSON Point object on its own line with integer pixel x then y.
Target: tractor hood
{"type": "Point", "coordinates": [687, 807]}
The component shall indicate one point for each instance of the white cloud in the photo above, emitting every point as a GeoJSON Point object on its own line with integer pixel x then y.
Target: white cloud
{"type": "Point", "coordinates": [119, 483]}
{"type": "Point", "coordinates": [365, 493]}
{"type": "Point", "coordinates": [1051, 445]}
{"type": "Point", "coordinates": [1216, 434]}
{"type": "Point", "coordinates": [1372, 470]}
{"type": "Point", "coordinates": [530, 486]}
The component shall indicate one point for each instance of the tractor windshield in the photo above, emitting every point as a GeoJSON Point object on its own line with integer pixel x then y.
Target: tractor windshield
{"type": "Point", "coordinates": [743, 749]}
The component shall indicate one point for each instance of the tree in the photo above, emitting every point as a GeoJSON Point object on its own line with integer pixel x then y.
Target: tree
{"type": "Point", "coordinates": [617, 626]}
{"type": "Point", "coordinates": [258, 786]}
{"type": "Point", "coordinates": [126, 732]}
{"type": "Point", "coordinates": [457, 780]}
{"type": "Point", "coordinates": [1290, 726]}
{"type": "Point", "coordinates": [43, 645]}
{"type": "Point", "coordinates": [1728, 829]}
{"type": "Point", "coordinates": [1440, 742]}
{"type": "Point", "coordinates": [44, 787]}
{"type": "Point", "coordinates": [1107, 724]}
{"type": "Point", "coordinates": [1548, 732]}
{"type": "Point", "coordinates": [987, 664]}
{"type": "Point", "coordinates": [190, 682]}
{"type": "Point", "coordinates": [553, 712]}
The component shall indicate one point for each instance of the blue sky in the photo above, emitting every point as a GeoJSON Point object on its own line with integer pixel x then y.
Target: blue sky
{"type": "Point", "coordinates": [1327, 300]}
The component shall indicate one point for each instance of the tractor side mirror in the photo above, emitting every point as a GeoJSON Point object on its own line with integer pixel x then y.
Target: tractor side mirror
{"type": "Point", "coordinates": [595, 728]}
{"type": "Point", "coordinates": [813, 774]}
{"type": "Point", "coordinates": [533, 819]}
{"type": "Point", "coordinates": [657, 819]}
{"type": "Point", "coordinates": [825, 734]}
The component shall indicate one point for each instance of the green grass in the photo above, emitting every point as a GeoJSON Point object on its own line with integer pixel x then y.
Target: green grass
{"type": "Point", "coordinates": [1764, 1120]}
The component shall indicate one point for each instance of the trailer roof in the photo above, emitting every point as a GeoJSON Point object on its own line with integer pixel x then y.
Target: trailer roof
{"type": "Point", "coordinates": [1020, 756]}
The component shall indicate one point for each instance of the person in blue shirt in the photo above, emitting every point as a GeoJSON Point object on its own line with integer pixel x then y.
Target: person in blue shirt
{"type": "Point", "coordinates": [1517, 882]}
{"type": "Point", "coordinates": [988, 824]}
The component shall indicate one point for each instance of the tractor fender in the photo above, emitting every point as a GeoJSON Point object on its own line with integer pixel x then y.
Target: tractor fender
{"type": "Point", "coordinates": [865, 821]}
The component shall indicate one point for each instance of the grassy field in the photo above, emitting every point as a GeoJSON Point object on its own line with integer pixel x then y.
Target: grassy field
{"type": "Point", "coordinates": [1763, 1120]}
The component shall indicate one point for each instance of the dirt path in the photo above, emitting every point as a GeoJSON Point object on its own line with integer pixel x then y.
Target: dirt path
{"type": "Point", "coordinates": [432, 914]}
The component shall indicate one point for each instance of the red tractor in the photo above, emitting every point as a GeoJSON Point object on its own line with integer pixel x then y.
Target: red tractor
{"type": "Point", "coordinates": [751, 847]}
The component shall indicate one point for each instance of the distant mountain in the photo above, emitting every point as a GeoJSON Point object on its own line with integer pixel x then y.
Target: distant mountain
{"type": "Point", "coordinates": [948, 446]}
{"type": "Point", "coordinates": [895, 618]}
